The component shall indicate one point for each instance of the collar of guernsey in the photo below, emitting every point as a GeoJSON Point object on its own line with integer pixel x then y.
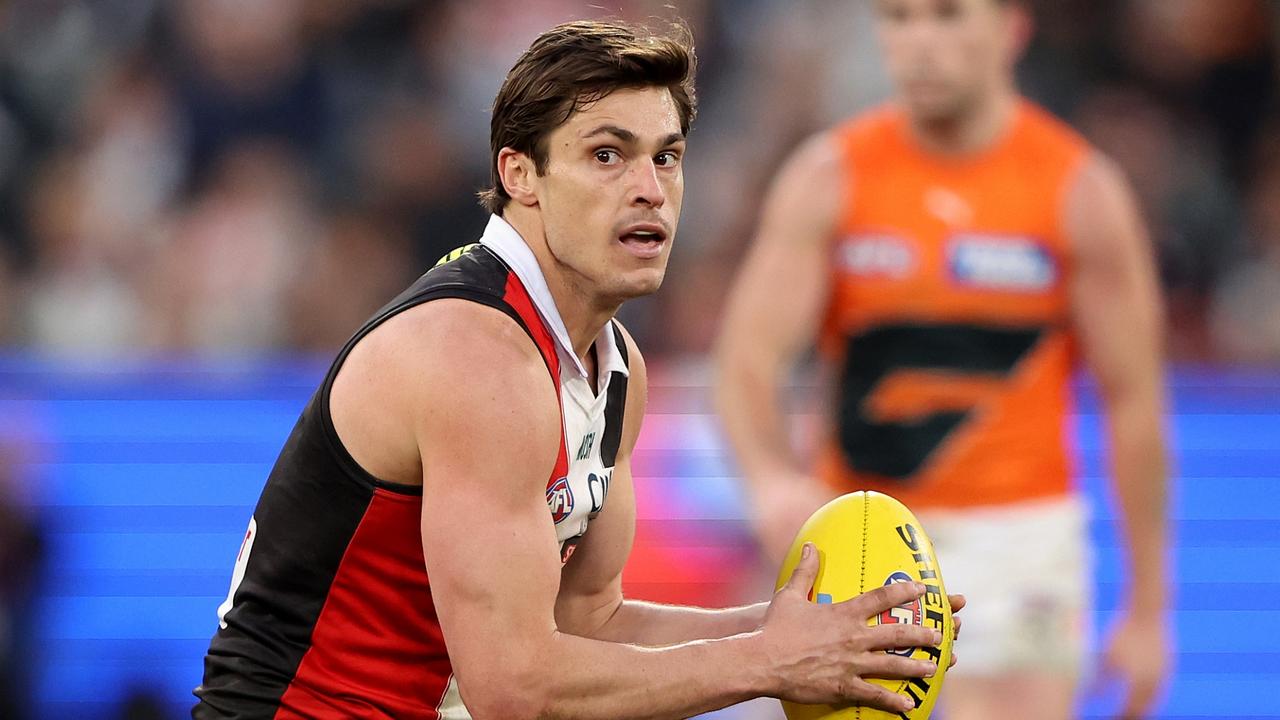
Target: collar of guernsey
{"type": "Point", "coordinates": [507, 244]}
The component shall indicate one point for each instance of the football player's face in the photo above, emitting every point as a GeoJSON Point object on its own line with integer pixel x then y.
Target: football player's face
{"type": "Point", "coordinates": [941, 54]}
{"type": "Point", "coordinates": [611, 192]}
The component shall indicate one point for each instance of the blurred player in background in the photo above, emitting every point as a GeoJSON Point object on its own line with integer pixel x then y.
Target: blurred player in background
{"type": "Point", "coordinates": [952, 253]}
{"type": "Point", "coordinates": [421, 548]}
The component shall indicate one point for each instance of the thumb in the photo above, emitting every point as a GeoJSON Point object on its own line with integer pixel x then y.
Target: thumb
{"type": "Point", "coordinates": [806, 572]}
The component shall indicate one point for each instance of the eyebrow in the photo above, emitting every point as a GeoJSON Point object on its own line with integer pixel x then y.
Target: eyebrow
{"type": "Point", "coordinates": [622, 134]}
{"type": "Point", "coordinates": [672, 139]}
{"type": "Point", "coordinates": [627, 136]}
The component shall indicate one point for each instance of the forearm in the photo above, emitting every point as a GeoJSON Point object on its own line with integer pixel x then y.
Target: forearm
{"type": "Point", "coordinates": [593, 679]}
{"type": "Point", "coordinates": [1140, 468]}
{"type": "Point", "coordinates": [754, 419]}
{"type": "Point", "coordinates": [775, 309]}
{"type": "Point", "coordinates": [654, 624]}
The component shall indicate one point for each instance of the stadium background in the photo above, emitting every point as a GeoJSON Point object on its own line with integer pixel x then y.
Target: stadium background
{"type": "Point", "coordinates": [200, 199]}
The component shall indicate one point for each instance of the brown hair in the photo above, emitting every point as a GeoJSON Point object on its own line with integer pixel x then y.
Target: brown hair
{"type": "Point", "coordinates": [573, 65]}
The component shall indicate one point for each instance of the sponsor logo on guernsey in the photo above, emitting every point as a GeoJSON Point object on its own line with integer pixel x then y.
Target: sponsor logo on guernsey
{"type": "Point", "coordinates": [567, 548]}
{"type": "Point", "coordinates": [598, 486]}
{"type": "Point", "coordinates": [1001, 262]}
{"type": "Point", "coordinates": [876, 256]}
{"type": "Point", "coordinates": [911, 613]}
{"type": "Point", "coordinates": [934, 609]}
{"type": "Point", "coordinates": [560, 499]}
{"type": "Point", "coordinates": [584, 450]}
{"type": "Point", "coordinates": [455, 254]}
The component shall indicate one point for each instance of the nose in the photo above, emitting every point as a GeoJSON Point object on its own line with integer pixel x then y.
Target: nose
{"type": "Point", "coordinates": [646, 188]}
{"type": "Point", "coordinates": [923, 38]}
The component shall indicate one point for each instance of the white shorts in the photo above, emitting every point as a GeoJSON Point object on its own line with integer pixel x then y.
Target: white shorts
{"type": "Point", "coordinates": [1025, 571]}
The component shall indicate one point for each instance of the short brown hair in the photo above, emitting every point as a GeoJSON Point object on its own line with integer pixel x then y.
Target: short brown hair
{"type": "Point", "coordinates": [573, 65]}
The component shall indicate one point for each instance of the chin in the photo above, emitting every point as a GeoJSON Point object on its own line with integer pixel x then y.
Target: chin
{"type": "Point", "coordinates": [937, 107]}
{"type": "Point", "coordinates": [638, 283]}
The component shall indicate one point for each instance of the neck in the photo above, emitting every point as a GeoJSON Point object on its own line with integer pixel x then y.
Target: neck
{"type": "Point", "coordinates": [584, 313]}
{"type": "Point", "coordinates": [972, 130]}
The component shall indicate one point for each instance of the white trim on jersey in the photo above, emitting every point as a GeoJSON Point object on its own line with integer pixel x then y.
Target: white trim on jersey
{"type": "Point", "coordinates": [507, 244]}
{"type": "Point", "coordinates": [450, 706]}
{"type": "Point", "coordinates": [237, 573]}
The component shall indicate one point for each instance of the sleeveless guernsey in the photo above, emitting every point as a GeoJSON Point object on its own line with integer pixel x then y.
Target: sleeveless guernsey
{"type": "Point", "coordinates": [948, 319]}
{"type": "Point", "coordinates": [330, 612]}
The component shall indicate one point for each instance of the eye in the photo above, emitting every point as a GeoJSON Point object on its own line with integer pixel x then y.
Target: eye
{"type": "Point", "coordinates": [608, 157]}
{"type": "Point", "coordinates": [893, 11]}
{"type": "Point", "coordinates": [667, 158]}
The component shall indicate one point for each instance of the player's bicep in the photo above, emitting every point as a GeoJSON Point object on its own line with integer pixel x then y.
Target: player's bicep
{"type": "Point", "coordinates": [1115, 295]}
{"type": "Point", "coordinates": [488, 541]}
{"type": "Point", "coordinates": [777, 300]}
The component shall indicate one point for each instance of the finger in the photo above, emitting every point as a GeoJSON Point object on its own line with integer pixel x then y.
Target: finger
{"type": "Point", "coordinates": [953, 660]}
{"type": "Point", "coordinates": [955, 634]}
{"type": "Point", "coordinates": [901, 637]}
{"type": "Point", "coordinates": [887, 666]}
{"type": "Point", "coordinates": [870, 604]}
{"type": "Point", "coordinates": [865, 694]}
{"type": "Point", "coordinates": [957, 602]}
{"type": "Point", "coordinates": [805, 573]}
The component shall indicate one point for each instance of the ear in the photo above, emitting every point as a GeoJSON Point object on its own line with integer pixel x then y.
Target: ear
{"type": "Point", "coordinates": [1022, 26]}
{"type": "Point", "coordinates": [518, 175]}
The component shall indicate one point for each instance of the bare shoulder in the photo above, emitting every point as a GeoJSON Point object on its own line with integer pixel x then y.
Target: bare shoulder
{"type": "Point", "coordinates": [1099, 177]}
{"type": "Point", "coordinates": [435, 350]}
{"type": "Point", "coordinates": [452, 328]}
{"type": "Point", "coordinates": [809, 188]}
{"type": "Point", "coordinates": [440, 369]}
{"type": "Point", "coordinates": [1101, 208]}
{"type": "Point", "coordinates": [815, 163]}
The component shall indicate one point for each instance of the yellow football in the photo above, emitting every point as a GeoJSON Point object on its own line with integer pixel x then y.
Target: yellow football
{"type": "Point", "coordinates": [866, 540]}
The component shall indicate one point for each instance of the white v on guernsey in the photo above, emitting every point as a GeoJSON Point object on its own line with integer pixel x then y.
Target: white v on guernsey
{"type": "Point", "coordinates": [592, 420]}
{"type": "Point", "coordinates": [318, 568]}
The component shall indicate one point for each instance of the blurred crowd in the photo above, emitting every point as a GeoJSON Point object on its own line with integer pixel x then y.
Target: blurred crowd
{"type": "Point", "coordinates": [239, 175]}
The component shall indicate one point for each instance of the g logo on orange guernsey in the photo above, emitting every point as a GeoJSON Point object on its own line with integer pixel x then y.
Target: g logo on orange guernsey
{"type": "Point", "coordinates": [905, 389]}
{"type": "Point", "coordinates": [560, 499]}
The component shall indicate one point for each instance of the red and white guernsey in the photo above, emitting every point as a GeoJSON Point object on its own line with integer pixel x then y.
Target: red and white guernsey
{"type": "Point", "coordinates": [330, 613]}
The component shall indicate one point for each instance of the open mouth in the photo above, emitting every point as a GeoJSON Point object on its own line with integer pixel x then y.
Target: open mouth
{"type": "Point", "coordinates": [644, 241]}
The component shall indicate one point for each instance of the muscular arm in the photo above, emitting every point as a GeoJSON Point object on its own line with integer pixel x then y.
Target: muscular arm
{"type": "Point", "coordinates": [1117, 315]}
{"type": "Point", "coordinates": [772, 317]}
{"type": "Point", "coordinates": [590, 602]}
{"type": "Point", "coordinates": [487, 420]}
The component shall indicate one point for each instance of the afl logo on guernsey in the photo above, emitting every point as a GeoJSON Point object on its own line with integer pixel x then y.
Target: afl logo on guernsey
{"type": "Point", "coordinates": [910, 614]}
{"type": "Point", "coordinates": [560, 499]}
{"type": "Point", "coordinates": [1005, 263]}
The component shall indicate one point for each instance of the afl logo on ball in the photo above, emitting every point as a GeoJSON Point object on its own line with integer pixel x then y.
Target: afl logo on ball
{"type": "Point", "coordinates": [910, 614]}
{"type": "Point", "coordinates": [560, 499]}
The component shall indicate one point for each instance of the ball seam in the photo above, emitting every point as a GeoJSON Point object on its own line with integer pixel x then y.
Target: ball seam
{"type": "Point", "coordinates": [862, 570]}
